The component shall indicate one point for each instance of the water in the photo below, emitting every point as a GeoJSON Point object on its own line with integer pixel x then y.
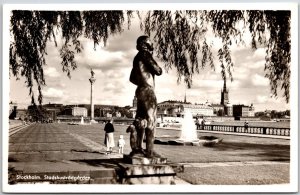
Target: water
{"type": "Point", "coordinates": [188, 129]}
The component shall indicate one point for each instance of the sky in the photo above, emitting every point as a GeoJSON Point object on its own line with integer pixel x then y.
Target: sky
{"type": "Point", "coordinates": [112, 65]}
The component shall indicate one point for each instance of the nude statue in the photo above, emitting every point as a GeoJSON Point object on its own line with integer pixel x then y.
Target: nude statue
{"type": "Point", "coordinates": [142, 74]}
{"type": "Point", "coordinates": [133, 137]}
{"type": "Point", "coordinates": [92, 73]}
{"type": "Point", "coordinates": [137, 124]}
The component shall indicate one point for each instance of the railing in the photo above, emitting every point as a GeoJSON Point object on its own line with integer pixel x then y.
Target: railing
{"type": "Point", "coordinates": [252, 130]}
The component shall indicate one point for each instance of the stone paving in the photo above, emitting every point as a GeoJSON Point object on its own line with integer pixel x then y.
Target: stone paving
{"type": "Point", "coordinates": [63, 147]}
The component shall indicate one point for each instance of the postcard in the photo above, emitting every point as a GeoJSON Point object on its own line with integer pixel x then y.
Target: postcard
{"type": "Point", "coordinates": [150, 97]}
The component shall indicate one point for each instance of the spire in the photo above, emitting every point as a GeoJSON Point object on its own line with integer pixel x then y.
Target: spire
{"type": "Point", "coordinates": [224, 86]}
{"type": "Point", "coordinates": [185, 97]}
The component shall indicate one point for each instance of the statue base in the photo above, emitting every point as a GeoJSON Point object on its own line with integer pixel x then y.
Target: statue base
{"type": "Point", "coordinates": [144, 170]}
{"type": "Point", "coordinates": [141, 160]}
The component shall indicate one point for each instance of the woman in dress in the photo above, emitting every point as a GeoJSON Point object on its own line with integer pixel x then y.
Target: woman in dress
{"type": "Point", "coordinates": [109, 136]}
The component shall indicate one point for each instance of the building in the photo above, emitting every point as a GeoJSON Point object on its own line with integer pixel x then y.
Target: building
{"type": "Point", "coordinates": [198, 109]}
{"type": "Point", "coordinates": [79, 111]}
{"type": "Point", "coordinates": [178, 108]}
{"type": "Point", "coordinates": [228, 109]}
{"type": "Point", "coordinates": [103, 111]}
{"type": "Point", "coordinates": [53, 110]}
{"type": "Point", "coordinates": [132, 110]}
{"type": "Point", "coordinates": [12, 110]}
{"type": "Point", "coordinates": [240, 111]}
{"type": "Point", "coordinates": [218, 109]}
{"type": "Point", "coordinates": [251, 111]}
{"type": "Point", "coordinates": [22, 114]}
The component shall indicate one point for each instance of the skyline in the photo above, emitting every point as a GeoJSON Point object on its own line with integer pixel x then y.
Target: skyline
{"type": "Point", "coordinates": [112, 65]}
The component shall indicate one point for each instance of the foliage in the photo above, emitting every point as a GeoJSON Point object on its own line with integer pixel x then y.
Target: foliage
{"type": "Point", "coordinates": [180, 39]}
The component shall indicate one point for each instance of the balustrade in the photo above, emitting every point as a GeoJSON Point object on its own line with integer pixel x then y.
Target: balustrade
{"type": "Point", "coordinates": [251, 130]}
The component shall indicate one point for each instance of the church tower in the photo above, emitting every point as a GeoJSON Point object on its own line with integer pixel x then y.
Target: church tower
{"type": "Point", "coordinates": [224, 94]}
{"type": "Point", "coordinates": [134, 102]}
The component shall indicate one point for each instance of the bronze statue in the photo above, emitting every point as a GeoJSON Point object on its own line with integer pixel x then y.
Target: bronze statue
{"type": "Point", "coordinates": [142, 74]}
{"type": "Point", "coordinates": [92, 73]}
{"type": "Point", "coordinates": [141, 125]}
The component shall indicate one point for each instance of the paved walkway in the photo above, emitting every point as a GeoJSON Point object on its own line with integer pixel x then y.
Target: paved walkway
{"type": "Point", "coordinates": [69, 149]}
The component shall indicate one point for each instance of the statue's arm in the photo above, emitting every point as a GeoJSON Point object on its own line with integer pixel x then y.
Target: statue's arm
{"type": "Point", "coordinates": [152, 65]}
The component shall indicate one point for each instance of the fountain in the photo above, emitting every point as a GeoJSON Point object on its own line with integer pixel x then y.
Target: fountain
{"type": "Point", "coordinates": [82, 121]}
{"type": "Point", "coordinates": [188, 135]}
{"type": "Point", "coordinates": [78, 123]}
{"type": "Point", "coordinates": [188, 128]}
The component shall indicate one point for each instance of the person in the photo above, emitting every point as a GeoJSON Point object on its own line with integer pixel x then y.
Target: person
{"type": "Point", "coordinates": [109, 136]}
{"type": "Point", "coordinates": [197, 123]}
{"type": "Point", "coordinates": [121, 144]}
{"type": "Point", "coordinates": [202, 123]}
{"type": "Point", "coordinates": [142, 74]}
{"type": "Point", "coordinates": [246, 125]}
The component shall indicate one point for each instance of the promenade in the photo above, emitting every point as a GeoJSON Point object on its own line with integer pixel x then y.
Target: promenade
{"type": "Point", "coordinates": [64, 150]}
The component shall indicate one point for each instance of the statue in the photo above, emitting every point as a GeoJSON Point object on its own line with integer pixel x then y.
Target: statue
{"type": "Point", "coordinates": [142, 74]}
{"type": "Point", "coordinates": [92, 73]}
{"type": "Point", "coordinates": [139, 124]}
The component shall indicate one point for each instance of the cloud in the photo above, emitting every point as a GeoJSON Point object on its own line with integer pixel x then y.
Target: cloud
{"type": "Point", "coordinates": [115, 87]}
{"type": "Point", "coordinates": [208, 84]}
{"type": "Point", "coordinates": [106, 102]}
{"type": "Point", "coordinates": [53, 93]}
{"type": "Point", "coordinates": [259, 53]}
{"type": "Point", "coordinates": [269, 99]}
{"type": "Point", "coordinates": [125, 40]}
{"type": "Point", "coordinates": [258, 80]}
{"type": "Point", "coordinates": [51, 72]}
{"type": "Point", "coordinates": [262, 99]}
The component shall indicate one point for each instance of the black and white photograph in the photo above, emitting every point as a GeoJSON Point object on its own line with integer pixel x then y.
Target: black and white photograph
{"type": "Point", "coordinates": [120, 98]}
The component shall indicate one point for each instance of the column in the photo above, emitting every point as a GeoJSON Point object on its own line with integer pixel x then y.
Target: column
{"type": "Point", "coordinates": [92, 81]}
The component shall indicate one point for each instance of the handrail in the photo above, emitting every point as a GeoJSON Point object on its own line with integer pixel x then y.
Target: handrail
{"type": "Point", "coordinates": [282, 131]}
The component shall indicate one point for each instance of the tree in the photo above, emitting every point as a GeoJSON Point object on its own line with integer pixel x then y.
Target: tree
{"type": "Point", "coordinates": [179, 37]}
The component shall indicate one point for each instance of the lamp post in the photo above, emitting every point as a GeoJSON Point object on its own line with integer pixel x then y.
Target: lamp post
{"type": "Point", "coordinates": [92, 81]}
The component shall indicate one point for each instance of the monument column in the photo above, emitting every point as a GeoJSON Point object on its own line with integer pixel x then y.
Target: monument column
{"type": "Point", "coordinates": [92, 81]}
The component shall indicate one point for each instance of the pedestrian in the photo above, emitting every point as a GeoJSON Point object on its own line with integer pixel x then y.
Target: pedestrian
{"type": "Point", "coordinates": [202, 123]}
{"type": "Point", "coordinates": [109, 136]}
{"type": "Point", "coordinates": [121, 144]}
{"type": "Point", "coordinates": [197, 123]}
{"type": "Point", "coordinates": [246, 125]}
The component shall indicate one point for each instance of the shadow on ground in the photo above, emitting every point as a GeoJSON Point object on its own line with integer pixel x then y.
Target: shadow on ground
{"type": "Point", "coordinates": [273, 152]}
{"type": "Point", "coordinates": [107, 163]}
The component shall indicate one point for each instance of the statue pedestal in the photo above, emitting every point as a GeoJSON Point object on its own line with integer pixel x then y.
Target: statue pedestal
{"type": "Point", "coordinates": [141, 160]}
{"type": "Point", "coordinates": [143, 170]}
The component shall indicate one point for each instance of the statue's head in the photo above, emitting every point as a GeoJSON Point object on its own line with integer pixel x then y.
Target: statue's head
{"type": "Point", "coordinates": [144, 43]}
{"type": "Point", "coordinates": [130, 129]}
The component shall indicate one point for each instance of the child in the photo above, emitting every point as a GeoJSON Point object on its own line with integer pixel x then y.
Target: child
{"type": "Point", "coordinates": [121, 144]}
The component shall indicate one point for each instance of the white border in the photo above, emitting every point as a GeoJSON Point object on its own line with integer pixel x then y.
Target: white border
{"type": "Point", "coordinates": [155, 6]}
{"type": "Point", "coordinates": [292, 187]}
